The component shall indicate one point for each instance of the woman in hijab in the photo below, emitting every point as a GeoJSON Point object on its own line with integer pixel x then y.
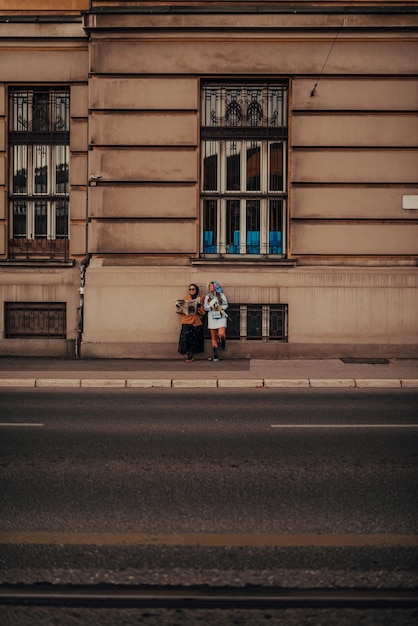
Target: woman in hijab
{"type": "Point", "coordinates": [191, 338]}
{"type": "Point", "coordinates": [216, 304]}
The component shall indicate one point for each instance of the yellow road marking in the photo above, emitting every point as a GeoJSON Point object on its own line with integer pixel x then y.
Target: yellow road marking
{"type": "Point", "coordinates": [209, 539]}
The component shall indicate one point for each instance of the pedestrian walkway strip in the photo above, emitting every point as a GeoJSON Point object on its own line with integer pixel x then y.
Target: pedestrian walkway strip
{"type": "Point", "coordinates": [214, 540]}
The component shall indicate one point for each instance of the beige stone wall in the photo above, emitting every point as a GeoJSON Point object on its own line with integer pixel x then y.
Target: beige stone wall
{"type": "Point", "coordinates": [351, 169]}
{"type": "Point", "coordinates": [45, 53]}
{"type": "Point", "coordinates": [144, 138]}
{"type": "Point", "coordinates": [352, 132]}
{"type": "Point", "coordinates": [36, 284]}
{"type": "Point", "coordinates": [274, 56]}
{"type": "Point", "coordinates": [130, 311]}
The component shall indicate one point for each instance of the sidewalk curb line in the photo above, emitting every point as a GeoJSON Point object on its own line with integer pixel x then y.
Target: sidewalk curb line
{"type": "Point", "coordinates": [57, 382]}
{"type": "Point", "coordinates": [347, 383]}
{"type": "Point", "coordinates": [286, 382]}
{"type": "Point", "coordinates": [369, 383]}
{"type": "Point", "coordinates": [147, 383]}
{"type": "Point", "coordinates": [178, 383]}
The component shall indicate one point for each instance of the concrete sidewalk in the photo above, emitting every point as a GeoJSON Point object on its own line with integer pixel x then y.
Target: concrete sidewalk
{"type": "Point", "coordinates": [142, 373]}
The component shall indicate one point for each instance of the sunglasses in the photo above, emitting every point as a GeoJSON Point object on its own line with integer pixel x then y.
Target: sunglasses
{"type": "Point", "coordinates": [192, 288]}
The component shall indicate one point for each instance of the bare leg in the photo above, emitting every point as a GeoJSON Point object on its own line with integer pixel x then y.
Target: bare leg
{"type": "Point", "coordinates": [222, 337]}
{"type": "Point", "coordinates": [214, 337]}
{"type": "Point", "coordinates": [214, 340]}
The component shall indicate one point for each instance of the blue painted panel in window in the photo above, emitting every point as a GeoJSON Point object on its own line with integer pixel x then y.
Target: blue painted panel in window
{"type": "Point", "coordinates": [208, 246]}
{"type": "Point", "coordinates": [275, 242]}
{"type": "Point", "coordinates": [253, 242]}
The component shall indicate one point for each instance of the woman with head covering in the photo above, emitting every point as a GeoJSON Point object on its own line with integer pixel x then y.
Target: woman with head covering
{"type": "Point", "coordinates": [216, 304]}
{"type": "Point", "coordinates": [191, 338]}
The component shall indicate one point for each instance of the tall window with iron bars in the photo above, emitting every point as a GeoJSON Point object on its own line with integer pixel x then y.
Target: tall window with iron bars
{"type": "Point", "coordinates": [243, 169]}
{"type": "Point", "coordinates": [39, 125]}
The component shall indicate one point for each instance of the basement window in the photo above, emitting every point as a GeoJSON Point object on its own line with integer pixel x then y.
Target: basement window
{"type": "Point", "coordinates": [258, 322]}
{"type": "Point", "coordinates": [33, 320]}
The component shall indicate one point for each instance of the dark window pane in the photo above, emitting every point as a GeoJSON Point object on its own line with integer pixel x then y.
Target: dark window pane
{"type": "Point", "coordinates": [19, 219]}
{"type": "Point", "coordinates": [41, 220]}
{"type": "Point", "coordinates": [40, 112]}
{"type": "Point", "coordinates": [278, 322]}
{"type": "Point", "coordinates": [233, 226]}
{"type": "Point", "coordinates": [61, 169]}
{"type": "Point", "coordinates": [40, 159]}
{"type": "Point", "coordinates": [254, 321]}
{"type": "Point", "coordinates": [276, 167]}
{"type": "Point", "coordinates": [19, 168]}
{"type": "Point", "coordinates": [253, 168]}
{"type": "Point", "coordinates": [61, 219]}
{"type": "Point", "coordinates": [253, 226]}
{"type": "Point", "coordinates": [233, 331]}
{"type": "Point", "coordinates": [210, 211]}
{"type": "Point", "coordinates": [275, 230]}
{"type": "Point", "coordinates": [210, 166]}
{"type": "Point", "coordinates": [233, 166]}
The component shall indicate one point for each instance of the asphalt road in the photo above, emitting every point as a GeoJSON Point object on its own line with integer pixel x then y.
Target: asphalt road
{"type": "Point", "coordinates": [297, 489]}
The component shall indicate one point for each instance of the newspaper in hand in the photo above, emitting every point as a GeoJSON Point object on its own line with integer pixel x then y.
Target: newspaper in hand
{"type": "Point", "coordinates": [187, 307]}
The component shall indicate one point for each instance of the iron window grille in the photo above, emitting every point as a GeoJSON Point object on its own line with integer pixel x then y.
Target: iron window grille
{"type": "Point", "coordinates": [258, 322]}
{"type": "Point", "coordinates": [25, 320]}
{"type": "Point", "coordinates": [39, 141]}
{"type": "Point", "coordinates": [243, 168]}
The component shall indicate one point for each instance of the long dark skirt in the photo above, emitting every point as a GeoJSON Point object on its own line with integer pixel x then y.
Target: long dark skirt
{"type": "Point", "coordinates": [191, 339]}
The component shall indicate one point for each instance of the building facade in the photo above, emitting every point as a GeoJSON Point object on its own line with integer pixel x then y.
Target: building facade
{"type": "Point", "coordinates": [271, 146]}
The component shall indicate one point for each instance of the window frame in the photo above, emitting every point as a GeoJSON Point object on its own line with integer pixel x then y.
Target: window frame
{"type": "Point", "coordinates": [219, 200]}
{"type": "Point", "coordinates": [39, 146]}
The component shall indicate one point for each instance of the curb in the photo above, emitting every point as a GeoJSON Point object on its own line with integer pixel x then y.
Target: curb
{"type": "Point", "coordinates": [254, 383]}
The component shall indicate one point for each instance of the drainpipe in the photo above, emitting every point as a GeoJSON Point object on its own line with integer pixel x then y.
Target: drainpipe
{"type": "Point", "coordinates": [80, 311]}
